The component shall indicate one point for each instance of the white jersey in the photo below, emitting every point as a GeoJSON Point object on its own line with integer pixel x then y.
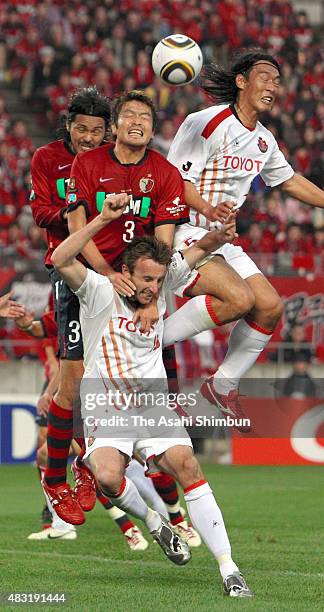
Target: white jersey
{"type": "Point", "coordinates": [114, 347]}
{"type": "Point", "coordinates": [220, 156]}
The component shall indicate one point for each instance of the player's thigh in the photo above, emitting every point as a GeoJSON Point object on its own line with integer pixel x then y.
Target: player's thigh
{"type": "Point", "coordinates": [218, 278]}
{"type": "Point", "coordinates": [265, 295]}
{"type": "Point", "coordinates": [181, 463]}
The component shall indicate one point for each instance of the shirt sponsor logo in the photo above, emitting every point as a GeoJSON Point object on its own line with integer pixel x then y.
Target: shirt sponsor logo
{"type": "Point", "coordinates": [243, 163]}
{"type": "Point", "coordinates": [262, 145]}
{"type": "Point", "coordinates": [177, 208]}
{"type": "Point", "coordinates": [130, 326]}
{"type": "Point", "coordinates": [146, 184]}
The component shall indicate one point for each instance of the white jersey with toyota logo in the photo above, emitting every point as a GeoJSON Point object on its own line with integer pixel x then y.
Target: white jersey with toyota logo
{"type": "Point", "coordinates": [114, 347]}
{"type": "Point", "coordinates": [220, 156]}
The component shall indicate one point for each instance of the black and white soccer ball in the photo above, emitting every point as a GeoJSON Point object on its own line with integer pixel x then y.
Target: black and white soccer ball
{"type": "Point", "coordinates": [177, 59]}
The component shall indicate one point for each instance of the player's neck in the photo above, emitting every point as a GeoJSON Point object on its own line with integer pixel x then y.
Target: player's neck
{"type": "Point", "coordinates": [247, 116]}
{"type": "Point", "coordinates": [128, 155]}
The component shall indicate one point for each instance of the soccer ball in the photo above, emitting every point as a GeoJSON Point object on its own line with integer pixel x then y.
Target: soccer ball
{"type": "Point", "coordinates": [177, 59]}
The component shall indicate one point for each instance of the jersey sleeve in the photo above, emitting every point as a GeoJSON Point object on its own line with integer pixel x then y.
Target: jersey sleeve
{"type": "Point", "coordinates": [95, 294]}
{"type": "Point", "coordinates": [45, 212]}
{"type": "Point", "coordinates": [189, 150]}
{"type": "Point", "coordinates": [178, 272]}
{"type": "Point", "coordinates": [277, 169]}
{"type": "Point", "coordinates": [78, 192]}
{"type": "Point", "coordinates": [171, 207]}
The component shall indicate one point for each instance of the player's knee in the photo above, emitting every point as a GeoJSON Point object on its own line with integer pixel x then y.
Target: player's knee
{"type": "Point", "coordinates": [274, 310]}
{"type": "Point", "coordinates": [189, 471]}
{"type": "Point", "coordinates": [109, 482]}
{"type": "Point", "coordinates": [242, 300]}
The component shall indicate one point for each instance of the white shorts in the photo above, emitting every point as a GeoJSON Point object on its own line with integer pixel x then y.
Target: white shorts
{"type": "Point", "coordinates": [148, 448]}
{"type": "Point", "coordinates": [187, 234]}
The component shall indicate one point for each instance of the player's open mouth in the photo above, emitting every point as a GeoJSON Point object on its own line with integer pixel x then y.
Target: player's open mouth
{"type": "Point", "coordinates": [136, 132]}
{"type": "Point", "coordinates": [267, 99]}
{"type": "Point", "coordinates": [86, 147]}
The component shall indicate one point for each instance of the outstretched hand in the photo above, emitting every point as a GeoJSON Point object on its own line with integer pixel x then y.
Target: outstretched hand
{"type": "Point", "coordinates": [114, 205]}
{"type": "Point", "coordinates": [10, 309]}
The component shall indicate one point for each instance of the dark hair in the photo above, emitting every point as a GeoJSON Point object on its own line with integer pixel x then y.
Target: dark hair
{"type": "Point", "coordinates": [148, 247]}
{"type": "Point", "coordinates": [138, 96]}
{"type": "Point", "coordinates": [85, 101]}
{"type": "Point", "coordinates": [220, 83]}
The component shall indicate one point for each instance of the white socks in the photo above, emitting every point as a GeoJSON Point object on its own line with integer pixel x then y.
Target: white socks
{"type": "Point", "coordinates": [192, 318]}
{"type": "Point", "coordinates": [145, 487]}
{"type": "Point", "coordinates": [244, 347]}
{"type": "Point", "coordinates": [131, 501]}
{"type": "Point", "coordinates": [207, 518]}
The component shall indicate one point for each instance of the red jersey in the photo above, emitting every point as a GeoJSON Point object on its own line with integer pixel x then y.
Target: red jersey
{"type": "Point", "coordinates": [154, 184]}
{"type": "Point", "coordinates": [50, 172]}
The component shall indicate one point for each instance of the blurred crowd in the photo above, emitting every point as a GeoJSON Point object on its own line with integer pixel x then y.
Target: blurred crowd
{"type": "Point", "coordinates": [47, 49]}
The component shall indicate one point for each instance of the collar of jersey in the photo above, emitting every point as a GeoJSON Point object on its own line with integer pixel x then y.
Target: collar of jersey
{"type": "Point", "coordinates": [232, 108]}
{"type": "Point", "coordinates": [139, 163]}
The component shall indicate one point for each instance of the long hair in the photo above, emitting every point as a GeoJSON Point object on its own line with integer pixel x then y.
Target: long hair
{"type": "Point", "coordinates": [85, 101]}
{"type": "Point", "coordinates": [220, 83]}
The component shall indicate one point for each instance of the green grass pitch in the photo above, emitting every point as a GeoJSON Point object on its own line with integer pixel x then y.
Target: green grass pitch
{"type": "Point", "coordinates": [274, 517]}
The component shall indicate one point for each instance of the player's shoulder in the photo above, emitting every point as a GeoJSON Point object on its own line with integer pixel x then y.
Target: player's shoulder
{"type": "Point", "coordinates": [57, 146]}
{"type": "Point", "coordinates": [208, 119]}
{"type": "Point", "coordinates": [159, 161]}
{"type": "Point", "coordinates": [91, 157]}
{"type": "Point", "coordinates": [53, 151]}
{"type": "Point", "coordinates": [263, 132]}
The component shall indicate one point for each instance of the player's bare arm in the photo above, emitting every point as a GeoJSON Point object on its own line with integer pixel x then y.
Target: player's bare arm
{"type": "Point", "coordinates": [211, 241]}
{"type": "Point", "coordinates": [302, 189]}
{"type": "Point", "coordinates": [64, 259]}
{"type": "Point", "coordinates": [76, 220]}
{"type": "Point", "coordinates": [212, 213]}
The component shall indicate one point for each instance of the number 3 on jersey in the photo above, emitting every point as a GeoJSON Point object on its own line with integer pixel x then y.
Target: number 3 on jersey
{"type": "Point", "coordinates": [128, 235]}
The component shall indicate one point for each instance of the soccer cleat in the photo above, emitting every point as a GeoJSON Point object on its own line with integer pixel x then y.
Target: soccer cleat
{"type": "Point", "coordinates": [174, 547]}
{"type": "Point", "coordinates": [85, 489]}
{"type": "Point", "coordinates": [188, 534]}
{"type": "Point", "coordinates": [135, 539]}
{"type": "Point", "coordinates": [54, 534]}
{"type": "Point", "coordinates": [229, 404]}
{"type": "Point", "coordinates": [235, 586]}
{"type": "Point", "coordinates": [65, 503]}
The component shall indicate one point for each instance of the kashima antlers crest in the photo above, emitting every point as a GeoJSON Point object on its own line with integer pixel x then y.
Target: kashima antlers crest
{"type": "Point", "coordinates": [262, 145]}
{"type": "Point", "coordinates": [146, 184]}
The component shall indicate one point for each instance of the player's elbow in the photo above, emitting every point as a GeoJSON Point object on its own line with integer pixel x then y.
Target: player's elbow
{"type": "Point", "coordinates": [58, 258]}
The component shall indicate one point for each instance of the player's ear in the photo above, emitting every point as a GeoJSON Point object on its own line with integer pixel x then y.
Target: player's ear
{"type": "Point", "coordinates": [68, 126]}
{"type": "Point", "coordinates": [113, 128]}
{"type": "Point", "coordinates": [125, 270]}
{"type": "Point", "coordinates": [240, 81]}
